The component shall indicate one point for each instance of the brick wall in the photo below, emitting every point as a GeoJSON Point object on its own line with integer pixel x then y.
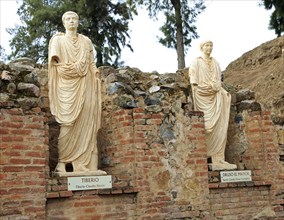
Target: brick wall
{"type": "Point", "coordinates": [92, 204]}
{"type": "Point", "coordinates": [23, 164]}
{"type": "Point", "coordinates": [263, 156]}
{"type": "Point", "coordinates": [264, 196]}
{"type": "Point", "coordinates": [155, 176]}
{"type": "Point", "coordinates": [152, 178]}
{"type": "Point", "coordinates": [238, 201]}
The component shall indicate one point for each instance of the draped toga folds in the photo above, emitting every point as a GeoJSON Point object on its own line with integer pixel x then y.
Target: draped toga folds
{"type": "Point", "coordinates": [75, 98]}
{"type": "Point", "coordinates": [214, 101]}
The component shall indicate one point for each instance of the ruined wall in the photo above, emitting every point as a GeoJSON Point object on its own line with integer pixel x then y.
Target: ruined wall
{"type": "Point", "coordinates": [263, 197]}
{"type": "Point", "coordinates": [23, 164]}
{"type": "Point", "coordinates": [155, 152]}
{"type": "Point", "coordinates": [240, 202]}
{"type": "Point", "coordinates": [24, 150]}
{"type": "Point", "coordinates": [152, 180]}
{"type": "Point", "coordinates": [152, 144]}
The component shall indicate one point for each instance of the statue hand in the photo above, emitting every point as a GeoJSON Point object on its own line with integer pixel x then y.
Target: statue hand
{"type": "Point", "coordinates": [215, 86]}
{"type": "Point", "coordinates": [96, 72]}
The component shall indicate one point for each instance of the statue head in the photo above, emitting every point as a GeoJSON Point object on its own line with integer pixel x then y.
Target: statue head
{"type": "Point", "coordinates": [70, 20]}
{"type": "Point", "coordinates": [204, 42]}
{"type": "Point", "coordinates": [206, 46]}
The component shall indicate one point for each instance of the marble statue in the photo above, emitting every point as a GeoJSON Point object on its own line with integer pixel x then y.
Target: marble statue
{"type": "Point", "coordinates": [214, 101]}
{"type": "Point", "coordinates": [75, 97]}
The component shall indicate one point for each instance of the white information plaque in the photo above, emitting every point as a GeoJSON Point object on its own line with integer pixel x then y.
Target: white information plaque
{"type": "Point", "coordinates": [89, 182]}
{"type": "Point", "coordinates": [235, 176]}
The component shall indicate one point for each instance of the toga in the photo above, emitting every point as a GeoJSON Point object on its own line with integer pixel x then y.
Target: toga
{"type": "Point", "coordinates": [214, 101]}
{"type": "Point", "coordinates": [75, 99]}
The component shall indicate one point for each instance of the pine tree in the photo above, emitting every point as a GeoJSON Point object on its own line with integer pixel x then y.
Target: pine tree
{"type": "Point", "coordinates": [178, 29]}
{"type": "Point", "coordinates": [3, 56]}
{"type": "Point", "coordinates": [277, 17]}
{"type": "Point", "coordinates": [104, 22]}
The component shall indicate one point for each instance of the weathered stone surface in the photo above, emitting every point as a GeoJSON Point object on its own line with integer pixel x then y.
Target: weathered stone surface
{"type": "Point", "coordinates": [278, 119]}
{"type": "Point", "coordinates": [278, 109]}
{"type": "Point", "coordinates": [124, 76]}
{"type": "Point", "coordinates": [163, 179]}
{"type": "Point", "coordinates": [11, 88]}
{"type": "Point", "coordinates": [125, 101]}
{"type": "Point", "coordinates": [42, 81]}
{"type": "Point", "coordinates": [31, 77]}
{"type": "Point", "coordinates": [29, 89]}
{"type": "Point", "coordinates": [6, 75]}
{"type": "Point", "coordinates": [4, 97]}
{"type": "Point", "coordinates": [21, 79]}
{"type": "Point", "coordinates": [28, 103]}
{"type": "Point", "coordinates": [111, 78]}
{"type": "Point", "coordinates": [154, 99]}
{"type": "Point", "coordinates": [244, 94]}
{"type": "Point", "coordinates": [280, 134]}
{"type": "Point", "coordinates": [139, 93]}
{"type": "Point", "coordinates": [23, 61]}
{"type": "Point", "coordinates": [154, 89]}
{"type": "Point", "coordinates": [153, 108]}
{"type": "Point", "coordinates": [119, 87]}
{"type": "Point", "coordinates": [3, 66]}
{"type": "Point", "coordinates": [22, 65]}
{"type": "Point", "coordinates": [248, 105]}
{"type": "Point", "coordinates": [166, 132]}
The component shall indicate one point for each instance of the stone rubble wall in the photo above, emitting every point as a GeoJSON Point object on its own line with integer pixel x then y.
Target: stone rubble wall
{"type": "Point", "coordinates": [151, 142]}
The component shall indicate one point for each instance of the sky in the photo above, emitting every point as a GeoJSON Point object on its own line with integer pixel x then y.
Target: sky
{"type": "Point", "coordinates": [234, 26]}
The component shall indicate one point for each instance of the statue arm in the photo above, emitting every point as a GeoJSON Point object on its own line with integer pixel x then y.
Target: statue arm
{"type": "Point", "coordinates": [93, 66]}
{"type": "Point", "coordinates": [193, 73]}
{"type": "Point", "coordinates": [53, 49]}
{"type": "Point", "coordinates": [94, 69]}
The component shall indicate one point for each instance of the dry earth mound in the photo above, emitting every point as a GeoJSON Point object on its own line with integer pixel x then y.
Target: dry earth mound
{"type": "Point", "coordinates": [262, 70]}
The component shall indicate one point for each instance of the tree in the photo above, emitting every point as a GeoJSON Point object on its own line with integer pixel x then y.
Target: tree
{"type": "Point", "coordinates": [179, 28]}
{"type": "Point", "coordinates": [277, 17]}
{"type": "Point", "coordinates": [3, 56]}
{"type": "Point", "coordinates": [104, 22]}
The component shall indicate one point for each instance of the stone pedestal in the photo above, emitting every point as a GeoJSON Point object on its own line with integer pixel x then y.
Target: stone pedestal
{"type": "Point", "coordinates": [222, 166]}
{"type": "Point", "coordinates": [85, 173]}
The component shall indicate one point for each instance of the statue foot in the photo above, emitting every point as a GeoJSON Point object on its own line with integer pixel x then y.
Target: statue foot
{"type": "Point", "coordinates": [223, 165]}
{"type": "Point", "coordinates": [101, 172]}
{"type": "Point", "coordinates": [223, 162]}
{"type": "Point", "coordinates": [60, 167]}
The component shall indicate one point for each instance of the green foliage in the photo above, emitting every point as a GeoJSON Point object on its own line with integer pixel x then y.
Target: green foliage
{"type": "Point", "coordinates": [189, 12]}
{"type": "Point", "coordinates": [277, 17]}
{"type": "Point", "coordinates": [104, 22]}
{"type": "Point", "coordinates": [178, 29]}
{"type": "Point", "coordinates": [3, 56]}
